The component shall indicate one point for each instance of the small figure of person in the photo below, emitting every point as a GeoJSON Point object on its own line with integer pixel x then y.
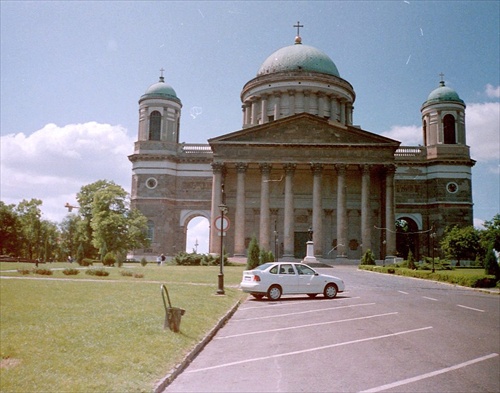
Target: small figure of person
{"type": "Point", "coordinates": [158, 260]}
{"type": "Point", "coordinates": [70, 259]}
{"type": "Point", "coordinates": [163, 258]}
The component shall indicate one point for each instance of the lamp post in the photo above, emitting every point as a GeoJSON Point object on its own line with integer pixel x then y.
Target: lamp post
{"type": "Point", "coordinates": [275, 243]}
{"type": "Point", "coordinates": [223, 210]}
{"type": "Point", "coordinates": [433, 236]}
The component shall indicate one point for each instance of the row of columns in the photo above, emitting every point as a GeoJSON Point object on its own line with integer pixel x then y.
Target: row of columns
{"type": "Point", "coordinates": [317, 209]}
{"type": "Point", "coordinates": [316, 103]}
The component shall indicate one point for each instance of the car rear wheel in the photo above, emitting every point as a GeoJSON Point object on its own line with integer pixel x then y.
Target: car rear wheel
{"type": "Point", "coordinates": [330, 291]}
{"type": "Point", "coordinates": [274, 292]}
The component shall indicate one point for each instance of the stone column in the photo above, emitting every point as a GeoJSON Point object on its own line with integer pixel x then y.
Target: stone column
{"type": "Point", "coordinates": [390, 217]}
{"type": "Point", "coordinates": [243, 110]}
{"type": "Point", "coordinates": [321, 105]}
{"type": "Point", "coordinates": [218, 172]}
{"type": "Point", "coordinates": [366, 235]}
{"type": "Point", "coordinates": [239, 217]}
{"type": "Point", "coordinates": [254, 111]}
{"type": "Point", "coordinates": [247, 113]}
{"type": "Point", "coordinates": [307, 105]}
{"type": "Point", "coordinates": [341, 211]}
{"type": "Point", "coordinates": [263, 109]}
{"type": "Point", "coordinates": [342, 112]}
{"type": "Point", "coordinates": [277, 105]}
{"type": "Point", "coordinates": [333, 109]}
{"type": "Point", "coordinates": [289, 222]}
{"type": "Point", "coordinates": [317, 220]}
{"type": "Point", "coordinates": [264, 207]}
{"type": "Point", "coordinates": [291, 100]}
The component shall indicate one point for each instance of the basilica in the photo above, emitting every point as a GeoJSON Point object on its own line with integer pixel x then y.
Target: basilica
{"type": "Point", "coordinates": [298, 168]}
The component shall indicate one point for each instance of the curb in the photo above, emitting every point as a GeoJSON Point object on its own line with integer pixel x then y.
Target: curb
{"type": "Point", "coordinates": [177, 370]}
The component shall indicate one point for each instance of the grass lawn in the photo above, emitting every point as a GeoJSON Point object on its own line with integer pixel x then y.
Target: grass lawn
{"type": "Point", "coordinates": [93, 334]}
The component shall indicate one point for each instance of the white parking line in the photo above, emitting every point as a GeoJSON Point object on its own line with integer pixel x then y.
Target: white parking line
{"type": "Point", "coordinates": [403, 292]}
{"type": "Point", "coordinates": [470, 308]}
{"type": "Point", "coordinates": [305, 326]}
{"type": "Point", "coordinates": [428, 375]}
{"type": "Point", "coordinates": [303, 312]}
{"type": "Point", "coordinates": [430, 298]}
{"type": "Point", "coordinates": [307, 350]}
{"type": "Point", "coordinates": [291, 303]}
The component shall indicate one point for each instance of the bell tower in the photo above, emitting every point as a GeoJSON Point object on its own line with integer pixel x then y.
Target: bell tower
{"type": "Point", "coordinates": [159, 116]}
{"type": "Point", "coordinates": [448, 161]}
{"type": "Point", "coordinates": [443, 123]}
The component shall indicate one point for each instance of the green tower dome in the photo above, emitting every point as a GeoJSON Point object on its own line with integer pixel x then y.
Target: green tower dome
{"type": "Point", "coordinates": [298, 57]}
{"type": "Point", "coordinates": [161, 90]}
{"type": "Point", "coordinates": [443, 93]}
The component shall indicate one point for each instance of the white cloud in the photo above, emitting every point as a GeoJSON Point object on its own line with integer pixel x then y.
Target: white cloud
{"type": "Point", "coordinates": [492, 91]}
{"type": "Point", "coordinates": [407, 135]}
{"type": "Point", "coordinates": [53, 163]}
{"type": "Point", "coordinates": [483, 130]}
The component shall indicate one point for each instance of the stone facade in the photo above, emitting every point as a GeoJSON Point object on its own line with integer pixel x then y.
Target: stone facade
{"type": "Point", "coordinates": [298, 164]}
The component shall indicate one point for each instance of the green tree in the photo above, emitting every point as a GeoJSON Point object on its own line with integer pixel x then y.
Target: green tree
{"type": "Point", "coordinates": [253, 253]}
{"type": "Point", "coordinates": [460, 243]}
{"type": "Point", "coordinates": [491, 264]}
{"type": "Point", "coordinates": [69, 236]}
{"type": "Point", "coordinates": [491, 235]}
{"type": "Point", "coordinates": [411, 261]}
{"type": "Point", "coordinates": [108, 220]}
{"type": "Point", "coordinates": [10, 230]}
{"type": "Point", "coordinates": [29, 214]}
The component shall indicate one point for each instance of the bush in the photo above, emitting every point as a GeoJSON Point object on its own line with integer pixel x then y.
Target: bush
{"type": "Point", "coordinates": [144, 262]}
{"type": "Point", "coordinates": [411, 261]}
{"type": "Point", "coordinates": [194, 259]}
{"type": "Point", "coordinates": [253, 253]}
{"type": "Point", "coordinates": [45, 272]}
{"type": "Point", "coordinates": [97, 272]}
{"type": "Point", "coordinates": [138, 275]}
{"type": "Point", "coordinates": [71, 272]}
{"type": "Point", "coordinates": [368, 258]}
{"type": "Point", "coordinates": [109, 259]}
{"type": "Point", "coordinates": [86, 262]}
{"type": "Point", "coordinates": [24, 271]}
{"type": "Point", "coordinates": [491, 264]}
{"type": "Point", "coordinates": [126, 273]}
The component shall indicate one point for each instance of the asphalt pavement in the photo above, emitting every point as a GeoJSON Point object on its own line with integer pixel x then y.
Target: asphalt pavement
{"type": "Point", "coordinates": [384, 333]}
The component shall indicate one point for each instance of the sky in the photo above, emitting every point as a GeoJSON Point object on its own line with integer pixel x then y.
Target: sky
{"type": "Point", "coordinates": [72, 73]}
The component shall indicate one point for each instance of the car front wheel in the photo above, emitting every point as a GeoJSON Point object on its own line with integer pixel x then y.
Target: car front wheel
{"type": "Point", "coordinates": [330, 291]}
{"type": "Point", "coordinates": [274, 292]}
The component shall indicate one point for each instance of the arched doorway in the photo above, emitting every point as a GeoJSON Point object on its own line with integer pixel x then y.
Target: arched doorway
{"type": "Point", "coordinates": [407, 237]}
{"type": "Point", "coordinates": [197, 235]}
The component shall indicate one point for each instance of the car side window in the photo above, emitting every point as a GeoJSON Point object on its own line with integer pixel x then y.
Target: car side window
{"type": "Point", "coordinates": [286, 269]}
{"type": "Point", "coordinates": [305, 270]}
{"type": "Point", "coordinates": [274, 270]}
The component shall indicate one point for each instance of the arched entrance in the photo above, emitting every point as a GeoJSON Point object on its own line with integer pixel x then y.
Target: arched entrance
{"type": "Point", "coordinates": [197, 235]}
{"type": "Point", "coordinates": [407, 237]}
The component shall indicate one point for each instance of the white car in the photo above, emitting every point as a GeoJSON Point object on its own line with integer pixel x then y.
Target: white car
{"type": "Point", "coordinates": [274, 279]}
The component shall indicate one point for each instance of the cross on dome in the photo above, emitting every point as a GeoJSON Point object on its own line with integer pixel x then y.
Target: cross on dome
{"type": "Point", "coordinates": [162, 79]}
{"type": "Point", "coordinates": [298, 40]}
{"type": "Point", "coordinates": [442, 79]}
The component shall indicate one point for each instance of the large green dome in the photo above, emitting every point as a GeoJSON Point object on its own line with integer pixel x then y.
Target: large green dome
{"type": "Point", "coordinates": [443, 93]}
{"type": "Point", "coordinates": [298, 57]}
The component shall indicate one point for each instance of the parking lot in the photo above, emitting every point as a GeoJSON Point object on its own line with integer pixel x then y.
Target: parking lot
{"type": "Point", "coordinates": [384, 333]}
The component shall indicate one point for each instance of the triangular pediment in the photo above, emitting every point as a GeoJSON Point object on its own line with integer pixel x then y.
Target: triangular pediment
{"type": "Point", "coordinates": [303, 129]}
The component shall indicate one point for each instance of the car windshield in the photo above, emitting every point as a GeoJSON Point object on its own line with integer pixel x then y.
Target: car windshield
{"type": "Point", "coordinates": [264, 266]}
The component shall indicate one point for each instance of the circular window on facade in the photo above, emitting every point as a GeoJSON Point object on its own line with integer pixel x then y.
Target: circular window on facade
{"type": "Point", "coordinates": [151, 183]}
{"type": "Point", "coordinates": [452, 187]}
